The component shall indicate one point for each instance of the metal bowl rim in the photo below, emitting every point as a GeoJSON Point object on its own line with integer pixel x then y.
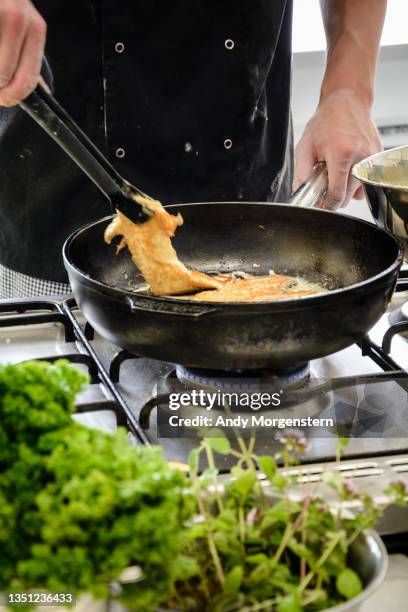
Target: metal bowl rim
{"type": "Point", "coordinates": [356, 168]}
{"type": "Point", "coordinates": [372, 586]}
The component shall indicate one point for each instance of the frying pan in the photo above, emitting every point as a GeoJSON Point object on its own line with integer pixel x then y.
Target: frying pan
{"type": "Point", "coordinates": [357, 261]}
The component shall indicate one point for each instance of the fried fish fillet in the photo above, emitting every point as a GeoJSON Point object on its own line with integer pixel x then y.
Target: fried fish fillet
{"type": "Point", "coordinates": [270, 288]}
{"type": "Point", "coordinates": [153, 254]}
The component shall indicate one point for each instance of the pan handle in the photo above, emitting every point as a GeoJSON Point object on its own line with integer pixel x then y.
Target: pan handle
{"type": "Point", "coordinates": [310, 194]}
{"type": "Point", "coordinates": [188, 311]}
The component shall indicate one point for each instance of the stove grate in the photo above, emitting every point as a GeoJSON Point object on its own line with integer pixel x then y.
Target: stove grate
{"type": "Point", "coordinates": [67, 308]}
{"type": "Point", "coordinates": [37, 312]}
{"type": "Point", "coordinates": [119, 358]}
{"type": "Point", "coordinates": [16, 313]}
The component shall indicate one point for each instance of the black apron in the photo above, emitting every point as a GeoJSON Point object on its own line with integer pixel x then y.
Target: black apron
{"type": "Point", "coordinates": [189, 99]}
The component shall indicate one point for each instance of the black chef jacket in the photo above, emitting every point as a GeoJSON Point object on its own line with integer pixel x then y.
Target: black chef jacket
{"type": "Point", "coordinates": [189, 99]}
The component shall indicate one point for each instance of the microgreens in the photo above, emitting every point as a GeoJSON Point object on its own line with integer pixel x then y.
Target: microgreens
{"type": "Point", "coordinates": [257, 547]}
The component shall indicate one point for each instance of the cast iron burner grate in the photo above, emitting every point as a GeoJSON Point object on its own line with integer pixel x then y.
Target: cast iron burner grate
{"type": "Point", "coordinates": [242, 379]}
{"type": "Point", "coordinates": [19, 313]}
{"type": "Point", "coordinates": [32, 312]}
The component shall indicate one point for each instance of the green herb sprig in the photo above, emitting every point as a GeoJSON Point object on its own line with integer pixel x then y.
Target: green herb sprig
{"type": "Point", "coordinates": [256, 547]}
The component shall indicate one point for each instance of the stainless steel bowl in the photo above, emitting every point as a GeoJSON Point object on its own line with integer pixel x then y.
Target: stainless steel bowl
{"type": "Point", "coordinates": [384, 177]}
{"type": "Point", "coordinates": [368, 557]}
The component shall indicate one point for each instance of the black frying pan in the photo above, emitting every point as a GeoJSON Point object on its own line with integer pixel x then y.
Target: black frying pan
{"type": "Point", "coordinates": [357, 261]}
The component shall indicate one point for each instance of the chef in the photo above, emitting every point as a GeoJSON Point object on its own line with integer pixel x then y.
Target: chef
{"type": "Point", "coordinates": [189, 99]}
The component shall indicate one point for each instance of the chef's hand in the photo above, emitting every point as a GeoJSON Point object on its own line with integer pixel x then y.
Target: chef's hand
{"type": "Point", "coordinates": [22, 41]}
{"type": "Point", "coordinates": [341, 133]}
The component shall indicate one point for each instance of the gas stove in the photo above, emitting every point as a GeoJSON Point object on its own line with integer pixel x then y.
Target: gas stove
{"type": "Point", "coordinates": [131, 391]}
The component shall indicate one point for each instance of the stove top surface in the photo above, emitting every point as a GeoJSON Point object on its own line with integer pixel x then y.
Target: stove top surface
{"type": "Point", "coordinates": [46, 333]}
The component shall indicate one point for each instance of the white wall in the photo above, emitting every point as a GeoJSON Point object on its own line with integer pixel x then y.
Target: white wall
{"type": "Point", "coordinates": [391, 91]}
{"type": "Point", "coordinates": [308, 33]}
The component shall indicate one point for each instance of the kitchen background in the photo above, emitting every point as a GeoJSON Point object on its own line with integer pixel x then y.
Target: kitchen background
{"type": "Point", "coordinates": [390, 107]}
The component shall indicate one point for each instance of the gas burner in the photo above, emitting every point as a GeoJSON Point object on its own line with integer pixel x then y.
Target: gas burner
{"type": "Point", "coordinates": [244, 380]}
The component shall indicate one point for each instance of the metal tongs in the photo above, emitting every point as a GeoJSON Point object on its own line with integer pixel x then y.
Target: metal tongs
{"type": "Point", "coordinates": [58, 124]}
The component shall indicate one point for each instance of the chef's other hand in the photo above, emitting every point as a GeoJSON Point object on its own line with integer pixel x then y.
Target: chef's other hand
{"type": "Point", "coordinates": [22, 41]}
{"type": "Point", "coordinates": [341, 133]}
